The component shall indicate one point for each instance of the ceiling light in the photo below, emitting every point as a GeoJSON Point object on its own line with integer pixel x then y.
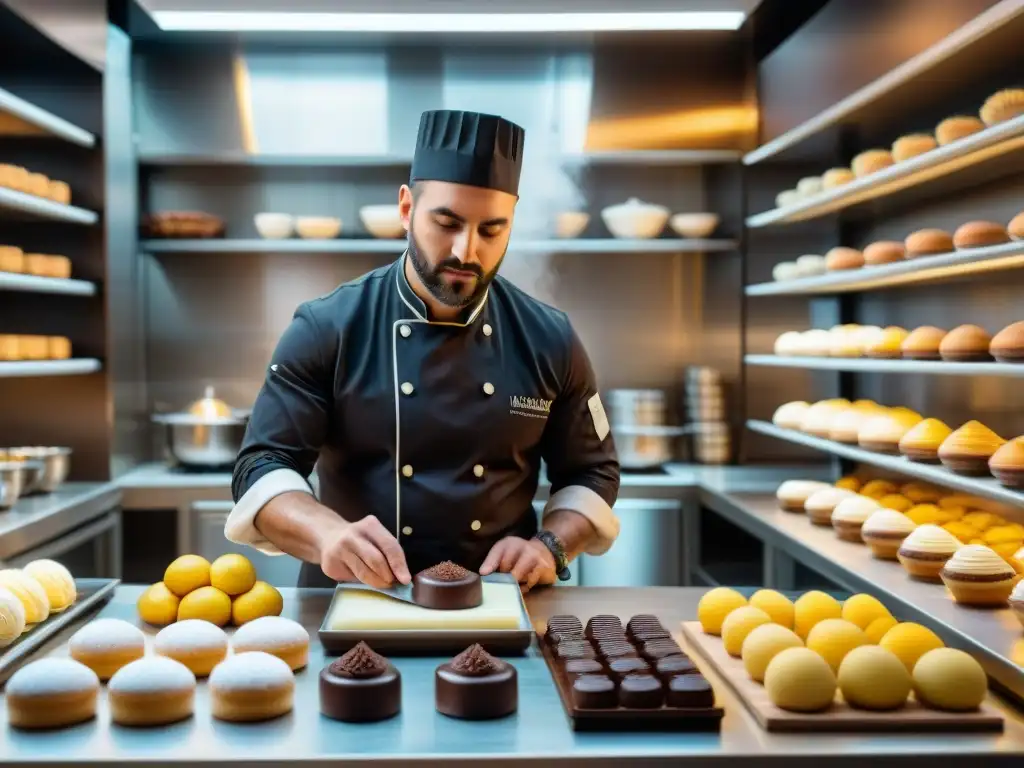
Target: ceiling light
{"type": "Point", "coordinates": [480, 23]}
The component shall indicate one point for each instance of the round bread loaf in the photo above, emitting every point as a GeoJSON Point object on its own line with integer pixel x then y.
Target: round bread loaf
{"type": "Point", "coordinates": [884, 252]}
{"type": "Point", "coordinates": [925, 242]}
{"type": "Point", "coordinates": [977, 234]}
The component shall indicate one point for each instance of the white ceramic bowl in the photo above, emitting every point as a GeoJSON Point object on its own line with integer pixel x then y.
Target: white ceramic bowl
{"type": "Point", "coordinates": [694, 224]}
{"type": "Point", "coordinates": [570, 224]}
{"type": "Point", "coordinates": [382, 221]}
{"type": "Point", "coordinates": [635, 219]}
{"type": "Point", "coordinates": [274, 226]}
{"type": "Point", "coordinates": [318, 227]}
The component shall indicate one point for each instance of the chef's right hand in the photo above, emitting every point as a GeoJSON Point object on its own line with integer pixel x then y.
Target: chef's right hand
{"type": "Point", "coordinates": [365, 551]}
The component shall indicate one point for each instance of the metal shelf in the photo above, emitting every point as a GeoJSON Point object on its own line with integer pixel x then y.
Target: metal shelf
{"type": "Point", "coordinates": [21, 118]}
{"type": "Point", "coordinates": [958, 42]}
{"type": "Point", "coordinates": [10, 281]}
{"type": "Point", "coordinates": [654, 157]}
{"type": "Point", "coordinates": [23, 368]}
{"type": "Point", "coordinates": [934, 473]}
{"type": "Point", "coordinates": [968, 152]}
{"type": "Point", "coordinates": [611, 245]}
{"type": "Point", "coordinates": [41, 208]}
{"type": "Point", "coordinates": [871, 365]}
{"type": "Point", "coordinates": [924, 269]}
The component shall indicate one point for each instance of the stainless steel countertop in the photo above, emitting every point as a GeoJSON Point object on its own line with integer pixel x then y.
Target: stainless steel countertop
{"type": "Point", "coordinates": [538, 732]}
{"type": "Point", "coordinates": [37, 519]}
{"type": "Point", "coordinates": [994, 637]}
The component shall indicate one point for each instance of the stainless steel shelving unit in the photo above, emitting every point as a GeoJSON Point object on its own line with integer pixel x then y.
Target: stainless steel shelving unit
{"type": "Point", "coordinates": [985, 487]}
{"type": "Point", "coordinates": [34, 207]}
{"type": "Point", "coordinates": [340, 246]}
{"type": "Point", "coordinates": [27, 119]}
{"type": "Point", "coordinates": [26, 368]}
{"type": "Point", "coordinates": [869, 365]}
{"type": "Point", "coordinates": [932, 167]}
{"type": "Point", "coordinates": [10, 281]}
{"type": "Point", "coordinates": [943, 266]}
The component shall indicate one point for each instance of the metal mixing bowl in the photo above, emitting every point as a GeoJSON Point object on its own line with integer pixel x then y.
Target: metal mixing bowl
{"type": "Point", "coordinates": [53, 463]}
{"type": "Point", "coordinates": [12, 474]}
{"type": "Point", "coordinates": [202, 442]}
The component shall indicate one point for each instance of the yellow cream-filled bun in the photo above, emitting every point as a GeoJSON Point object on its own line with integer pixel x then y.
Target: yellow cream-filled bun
{"type": "Point", "coordinates": [12, 617]}
{"type": "Point", "coordinates": [56, 580]}
{"type": "Point", "coordinates": [29, 591]}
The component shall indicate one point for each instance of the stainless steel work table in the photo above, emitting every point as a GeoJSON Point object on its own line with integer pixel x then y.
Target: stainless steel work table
{"type": "Point", "coordinates": [35, 520]}
{"type": "Point", "coordinates": [539, 733]}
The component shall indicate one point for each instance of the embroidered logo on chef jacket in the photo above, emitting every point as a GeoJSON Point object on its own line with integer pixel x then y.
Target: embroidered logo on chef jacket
{"type": "Point", "coordinates": [533, 407]}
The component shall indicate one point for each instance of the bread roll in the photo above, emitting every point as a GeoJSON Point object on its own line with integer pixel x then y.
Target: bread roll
{"type": "Point", "coordinates": [787, 198]}
{"type": "Point", "coordinates": [787, 270]}
{"type": "Point", "coordinates": [1003, 105]}
{"type": "Point", "coordinates": [953, 128]}
{"type": "Point", "coordinates": [884, 252]}
{"type": "Point", "coordinates": [37, 264]}
{"type": "Point", "coordinates": [809, 185]}
{"type": "Point", "coordinates": [924, 242]}
{"type": "Point", "coordinates": [10, 348]}
{"type": "Point", "coordinates": [38, 184]}
{"type": "Point", "coordinates": [977, 234]}
{"type": "Point", "coordinates": [34, 347]}
{"type": "Point", "coordinates": [14, 177]}
{"type": "Point", "coordinates": [59, 192]}
{"type": "Point", "coordinates": [836, 177]}
{"type": "Point", "coordinates": [12, 259]}
{"type": "Point", "coordinates": [58, 266]}
{"type": "Point", "coordinates": [871, 161]}
{"type": "Point", "coordinates": [58, 348]}
{"type": "Point", "coordinates": [906, 147]}
{"type": "Point", "coordinates": [840, 258]}
{"type": "Point", "coordinates": [1016, 227]}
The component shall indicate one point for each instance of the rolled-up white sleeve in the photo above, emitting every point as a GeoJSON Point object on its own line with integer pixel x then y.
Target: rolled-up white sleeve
{"type": "Point", "coordinates": [241, 523]}
{"type": "Point", "coordinates": [582, 500]}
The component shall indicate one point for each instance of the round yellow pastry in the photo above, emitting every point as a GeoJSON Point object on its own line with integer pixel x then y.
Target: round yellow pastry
{"type": "Point", "coordinates": [957, 127]}
{"type": "Point", "coordinates": [199, 645]}
{"type": "Point", "coordinates": [251, 686]}
{"type": "Point", "coordinates": [158, 605]}
{"type": "Point", "coordinates": [206, 603]}
{"type": "Point", "coordinates": [977, 575]}
{"type": "Point", "coordinates": [849, 482]}
{"type": "Point", "coordinates": [906, 147]}
{"type": "Point", "coordinates": [106, 645]}
{"type": "Point", "coordinates": [790, 415]}
{"type": "Point", "coordinates": [832, 639]}
{"type": "Point", "coordinates": [715, 605]}
{"type": "Point", "coordinates": [1002, 105]}
{"type": "Point", "coordinates": [739, 624]}
{"type": "Point", "coordinates": [51, 693]}
{"type": "Point", "coordinates": [151, 691]}
{"type": "Point", "coordinates": [778, 607]}
{"type": "Point", "coordinates": [871, 161]}
{"type": "Point", "coordinates": [949, 679]}
{"type": "Point", "coordinates": [811, 608]}
{"type": "Point", "coordinates": [862, 609]}
{"type": "Point", "coordinates": [29, 591]}
{"type": "Point", "coordinates": [876, 629]}
{"type": "Point", "coordinates": [876, 489]}
{"type": "Point", "coordinates": [262, 600]}
{"type": "Point", "coordinates": [920, 493]}
{"type": "Point", "coordinates": [872, 677]}
{"type": "Point", "coordinates": [910, 641]}
{"type": "Point", "coordinates": [883, 433]}
{"type": "Point", "coordinates": [888, 343]}
{"type": "Point", "coordinates": [278, 636]}
{"type": "Point", "coordinates": [232, 574]}
{"type": "Point", "coordinates": [922, 441]}
{"type": "Point", "coordinates": [56, 580]}
{"type": "Point", "coordinates": [763, 644]}
{"type": "Point", "coordinates": [896, 502]}
{"type": "Point", "coordinates": [186, 574]}
{"type": "Point", "coordinates": [836, 177]}
{"type": "Point", "coordinates": [799, 680]}
{"type": "Point", "coordinates": [12, 617]}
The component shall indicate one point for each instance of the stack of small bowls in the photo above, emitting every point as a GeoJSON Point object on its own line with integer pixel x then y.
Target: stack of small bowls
{"type": "Point", "coordinates": [705, 410]}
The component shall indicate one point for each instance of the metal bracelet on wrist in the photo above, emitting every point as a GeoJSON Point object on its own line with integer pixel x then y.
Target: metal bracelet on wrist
{"type": "Point", "coordinates": [557, 550]}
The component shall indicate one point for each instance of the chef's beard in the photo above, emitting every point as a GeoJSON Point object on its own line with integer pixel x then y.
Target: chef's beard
{"type": "Point", "coordinates": [455, 294]}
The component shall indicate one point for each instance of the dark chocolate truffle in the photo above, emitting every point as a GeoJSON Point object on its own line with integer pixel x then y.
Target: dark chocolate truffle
{"type": "Point", "coordinates": [556, 636]}
{"type": "Point", "coordinates": [629, 665]}
{"type": "Point", "coordinates": [360, 687]}
{"type": "Point", "coordinates": [447, 587]}
{"type": "Point", "coordinates": [615, 649]}
{"type": "Point", "coordinates": [577, 667]}
{"type": "Point", "coordinates": [565, 622]}
{"type": "Point", "coordinates": [593, 692]}
{"type": "Point", "coordinates": [575, 649]}
{"type": "Point", "coordinates": [641, 692]}
{"type": "Point", "coordinates": [604, 622]}
{"type": "Point", "coordinates": [670, 666]}
{"type": "Point", "coordinates": [476, 686]}
{"type": "Point", "coordinates": [690, 691]}
{"type": "Point", "coordinates": [642, 620]}
{"type": "Point", "coordinates": [653, 650]}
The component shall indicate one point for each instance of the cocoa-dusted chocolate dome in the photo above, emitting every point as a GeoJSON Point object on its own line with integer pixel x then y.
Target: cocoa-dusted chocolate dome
{"type": "Point", "coordinates": [361, 662]}
{"type": "Point", "coordinates": [476, 686]}
{"type": "Point", "coordinates": [360, 687]}
{"type": "Point", "coordinates": [475, 662]}
{"type": "Point", "coordinates": [447, 586]}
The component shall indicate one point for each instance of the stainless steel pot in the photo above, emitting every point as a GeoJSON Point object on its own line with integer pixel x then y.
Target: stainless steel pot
{"type": "Point", "coordinates": [642, 439]}
{"type": "Point", "coordinates": [52, 465]}
{"type": "Point", "coordinates": [12, 479]}
{"type": "Point", "coordinates": [208, 434]}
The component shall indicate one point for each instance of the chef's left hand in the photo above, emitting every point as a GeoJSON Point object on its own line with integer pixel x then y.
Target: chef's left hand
{"type": "Point", "coordinates": [528, 560]}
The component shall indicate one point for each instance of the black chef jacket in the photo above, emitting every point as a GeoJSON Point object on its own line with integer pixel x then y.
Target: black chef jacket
{"type": "Point", "coordinates": [436, 428]}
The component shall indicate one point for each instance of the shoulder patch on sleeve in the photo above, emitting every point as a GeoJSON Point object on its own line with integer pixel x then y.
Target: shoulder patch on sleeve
{"type": "Point", "coordinates": [601, 425]}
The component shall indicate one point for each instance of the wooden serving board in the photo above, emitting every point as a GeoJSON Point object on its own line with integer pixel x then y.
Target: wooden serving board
{"type": "Point", "coordinates": [840, 717]}
{"type": "Point", "coordinates": [664, 718]}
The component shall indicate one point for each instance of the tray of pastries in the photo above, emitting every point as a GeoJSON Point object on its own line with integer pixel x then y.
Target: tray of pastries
{"type": "Point", "coordinates": [190, 224]}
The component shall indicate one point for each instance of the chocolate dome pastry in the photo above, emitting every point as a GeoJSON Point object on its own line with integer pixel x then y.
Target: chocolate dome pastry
{"type": "Point", "coordinates": [671, 666]}
{"type": "Point", "coordinates": [628, 665]}
{"type": "Point", "coordinates": [567, 650]}
{"type": "Point", "coordinates": [563, 627]}
{"type": "Point", "coordinates": [477, 686]}
{"type": "Point", "coordinates": [641, 692]}
{"type": "Point", "coordinates": [579, 667]}
{"type": "Point", "coordinates": [594, 692]}
{"type": "Point", "coordinates": [653, 650]}
{"type": "Point", "coordinates": [360, 687]}
{"type": "Point", "coordinates": [615, 649]}
{"type": "Point", "coordinates": [690, 691]}
{"type": "Point", "coordinates": [447, 587]}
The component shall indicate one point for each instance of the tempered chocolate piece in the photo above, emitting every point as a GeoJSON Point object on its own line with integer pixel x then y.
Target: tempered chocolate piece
{"type": "Point", "coordinates": [653, 650]}
{"type": "Point", "coordinates": [641, 692]}
{"type": "Point", "coordinates": [575, 649]}
{"type": "Point", "coordinates": [604, 622]}
{"type": "Point", "coordinates": [645, 635]}
{"type": "Point", "coordinates": [615, 649]}
{"type": "Point", "coordinates": [556, 636]}
{"type": "Point", "coordinates": [690, 691]}
{"type": "Point", "coordinates": [593, 692]}
{"type": "Point", "coordinates": [360, 687]}
{"type": "Point", "coordinates": [630, 665]}
{"type": "Point", "coordinates": [565, 621]}
{"type": "Point", "coordinates": [670, 666]}
{"type": "Point", "coordinates": [642, 619]}
{"type": "Point", "coordinates": [447, 587]}
{"type": "Point", "coordinates": [577, 667]}
{"type": "Point", "coordinates": [476, 686]}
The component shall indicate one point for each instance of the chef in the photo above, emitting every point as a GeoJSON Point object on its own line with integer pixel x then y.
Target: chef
{"type": "Point", "coordinates": [426, 393]}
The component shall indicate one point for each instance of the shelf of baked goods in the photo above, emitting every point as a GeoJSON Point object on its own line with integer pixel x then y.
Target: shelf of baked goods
{"type": "Point", "coordinates": [830, 539]}
{"type": "Point", "coordinates": [23, 355]}
{"type": "Point", "coordinates": [969, 455]}
{"type": "Point", "coordinates": [915, 161]}
{"type": "Point", "coordinates": [21, 118]}
{"type": "Point", "coordinates": [39, 273]}
{"type": "Point", "coordinates": [41, 207]}
{"type": "Point", "coordinates": [926, 255]}
{"type": "Point", "coordinates": [967, 350]}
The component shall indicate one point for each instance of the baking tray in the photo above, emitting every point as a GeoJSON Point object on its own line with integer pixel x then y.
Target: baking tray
{"type": "Point", "coordinates": [92, 593]}
{"type": "Point", "coordinates": [663, 718]}
{"type": "Point", "coordinates": [416, 642]}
